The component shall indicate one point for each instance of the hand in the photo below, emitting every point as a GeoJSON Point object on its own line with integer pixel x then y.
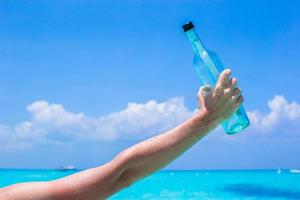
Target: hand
{"type": "Point", "coordinates": [221, 101]}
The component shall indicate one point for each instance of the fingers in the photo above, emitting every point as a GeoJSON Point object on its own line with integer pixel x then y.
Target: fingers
{"type": "Point", "coordinates": [236, 91]}
{"type": "Point", "coordinates": [232, 83]}
{"type": "Point", "coordinates": [225, 88]}
{"type": "Point", "coordinates": [237, 95]}
{"type": "Point", "coordinates": [223, 78]}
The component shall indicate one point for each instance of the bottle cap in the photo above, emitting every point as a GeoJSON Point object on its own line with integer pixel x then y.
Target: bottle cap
{"type": "Point", "coordinates": [188, 26]}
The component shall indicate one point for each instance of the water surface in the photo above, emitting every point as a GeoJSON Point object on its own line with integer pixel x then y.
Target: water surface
{"type": "Point", "coordinates": [238, 184]}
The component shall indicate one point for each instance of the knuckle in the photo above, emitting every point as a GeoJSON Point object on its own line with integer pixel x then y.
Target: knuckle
{"type": "Point", "coordinates": [234, 98]}
{"type": "Point", "coordinates": [227, 92]}
{"type": "Point", "coordinates": [241, 99]}
{"type": "Point", "coordinates": [216, 95]}
{"type": "Point", "coordinates": [237, 91]}
{"type": "Point", "coordinates": [217, 90]}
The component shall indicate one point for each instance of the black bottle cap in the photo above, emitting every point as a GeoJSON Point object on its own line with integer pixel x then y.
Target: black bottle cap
{"type": "Point", "coordinates": [188, 26]}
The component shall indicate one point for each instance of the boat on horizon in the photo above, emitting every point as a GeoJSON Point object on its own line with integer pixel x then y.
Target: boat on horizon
{"type": "Point", "coordinates": [295, 171]}
{"type": "Point", "coordinates": [66, 168]}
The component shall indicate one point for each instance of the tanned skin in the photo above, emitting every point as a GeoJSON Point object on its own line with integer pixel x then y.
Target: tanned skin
{"type": "Point", "coordinates": [142, 159]}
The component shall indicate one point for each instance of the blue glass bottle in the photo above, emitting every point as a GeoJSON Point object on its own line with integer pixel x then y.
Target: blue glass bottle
{"type": "Point", "coordinates": [208, 68]}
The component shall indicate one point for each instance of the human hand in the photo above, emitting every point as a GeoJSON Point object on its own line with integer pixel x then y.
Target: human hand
{"type": "Point", "coordinates": [221, 101]}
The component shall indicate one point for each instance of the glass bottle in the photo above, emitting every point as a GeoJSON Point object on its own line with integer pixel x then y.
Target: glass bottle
{"type": "Point", "coordinates": [208, 68]}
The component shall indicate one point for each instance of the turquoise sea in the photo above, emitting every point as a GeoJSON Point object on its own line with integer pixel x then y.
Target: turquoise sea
{"type": "Point", "coordinates": [233, 184]}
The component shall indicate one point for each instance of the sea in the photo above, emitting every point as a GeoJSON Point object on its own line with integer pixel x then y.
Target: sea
{"type": "Point", "coordinates": [189, 185]}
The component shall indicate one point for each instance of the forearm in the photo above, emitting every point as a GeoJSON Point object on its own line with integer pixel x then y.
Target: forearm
{"type": "Point", "coordinates": [154, 153]}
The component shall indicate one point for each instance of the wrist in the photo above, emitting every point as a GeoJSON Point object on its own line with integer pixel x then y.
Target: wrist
{"type": "Point", "coordinates": [204, 115]}
{"type": "Point", "coordinates": [204, 122]}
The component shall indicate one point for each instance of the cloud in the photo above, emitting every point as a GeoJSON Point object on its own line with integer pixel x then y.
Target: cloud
{"type": "Point", "coordinates": [53, 123]}
{"type": "Point", "coordinates": [281, 112]}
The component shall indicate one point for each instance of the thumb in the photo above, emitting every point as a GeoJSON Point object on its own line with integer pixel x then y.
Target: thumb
{"type": "Point", "coordinates": [205, 90]}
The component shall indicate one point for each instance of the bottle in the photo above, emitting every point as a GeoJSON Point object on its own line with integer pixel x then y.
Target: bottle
{"type": "Point", "coordinates": [208, 68]}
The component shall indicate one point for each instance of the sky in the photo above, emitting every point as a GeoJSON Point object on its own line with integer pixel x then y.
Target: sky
{"type": "Point", "coordinates": [80, 81]}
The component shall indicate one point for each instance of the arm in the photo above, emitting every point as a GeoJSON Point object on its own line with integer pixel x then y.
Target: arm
{"type": "Point", "coordinates": [151, 155]}
{"type": "Point", "coordinates": [143, 158]}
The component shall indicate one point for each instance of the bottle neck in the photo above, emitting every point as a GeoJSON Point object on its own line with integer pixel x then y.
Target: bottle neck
{"type": "Point", "coordinates": [200, 50]}
{"type": "Point", "coordinates": [197, 45]}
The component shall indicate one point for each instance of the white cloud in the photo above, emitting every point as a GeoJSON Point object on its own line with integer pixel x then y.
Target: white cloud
{"type": "Point", "coordinates": [137, 120]}
{"type": "Point", "coordinates": [148, 119]}
{"type": "Point", "coordinates": [53, 123]}
{"type": "Point", "coordinates": [281, 111]}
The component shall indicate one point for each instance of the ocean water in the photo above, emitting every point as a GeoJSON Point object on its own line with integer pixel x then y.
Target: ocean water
{"type": "Point", "coordinates": [163, 185]}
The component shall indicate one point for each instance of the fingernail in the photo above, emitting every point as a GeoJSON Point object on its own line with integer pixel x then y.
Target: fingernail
{"type": "Point", "coordinates": [229, 70]}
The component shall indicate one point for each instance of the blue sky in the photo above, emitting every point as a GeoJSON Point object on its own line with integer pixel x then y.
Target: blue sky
{"type": "Point", "coordinates": [62, 58]}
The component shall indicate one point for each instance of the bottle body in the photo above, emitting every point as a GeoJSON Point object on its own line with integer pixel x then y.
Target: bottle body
{"type": "Point", "coordinates": [208, 68]}
{"type": "Point", "coordinates": [239, 120]}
